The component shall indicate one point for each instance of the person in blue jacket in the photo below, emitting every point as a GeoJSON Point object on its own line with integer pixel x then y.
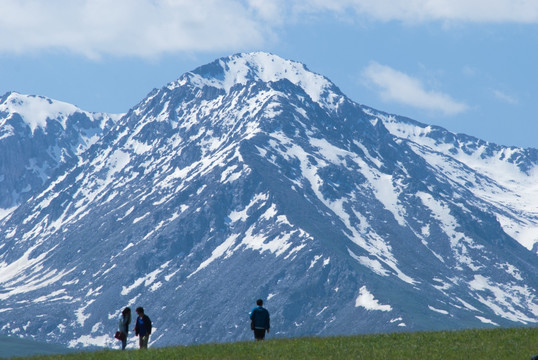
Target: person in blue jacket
{"type": "Point", "coordinates": [260, 321]}
{"type": "Point", "coordinates": [142, 328]}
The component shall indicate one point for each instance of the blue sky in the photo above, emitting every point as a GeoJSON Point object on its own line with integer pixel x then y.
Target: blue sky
{"type": "Point", "coordinates": [467, 65]}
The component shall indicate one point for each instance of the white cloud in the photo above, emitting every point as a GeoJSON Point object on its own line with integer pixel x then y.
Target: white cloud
{"type": "Point", "coordinates": [396, 86]}
{"type": "Point", "coordinates": [148, 28]}
{"type": "Point", "coordinates": [143, 28]}
{"type": "Point", "coordinates": [273, 11]}
{"type": "Point", "coordinates": [518, 11]}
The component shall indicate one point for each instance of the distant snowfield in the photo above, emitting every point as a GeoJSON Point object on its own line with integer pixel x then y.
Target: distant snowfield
{"type": "Point", "coordinates": [35, 110]}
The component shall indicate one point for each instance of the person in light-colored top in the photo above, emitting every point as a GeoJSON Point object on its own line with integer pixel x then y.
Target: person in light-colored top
{"type": "Point", "coordinates": [124, 321]}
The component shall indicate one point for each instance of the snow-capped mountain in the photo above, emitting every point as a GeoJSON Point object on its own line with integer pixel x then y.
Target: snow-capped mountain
{"type": "Point", "coordinates": [253, 177]}
{"type": "Point", "coordinates": [509, 188]}
{"type": "Point", "coordinates": [37, 136]}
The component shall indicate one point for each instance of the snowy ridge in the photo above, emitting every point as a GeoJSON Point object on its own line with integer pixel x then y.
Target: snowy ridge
{"type": "Point", "coordinates": [35, 110]}
{"type": "Point", "coordinates": [501, 176]}
{"type": "Point", "coordinates": [37, 136]}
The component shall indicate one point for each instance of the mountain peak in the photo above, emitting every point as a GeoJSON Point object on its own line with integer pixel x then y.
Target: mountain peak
{"type": "Point", "coordinates": [241, 68]}
{"type": "Point", "coordinates": [35, 110]}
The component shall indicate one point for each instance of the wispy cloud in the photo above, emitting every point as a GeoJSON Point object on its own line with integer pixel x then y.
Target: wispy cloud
{"type": "Point", "coordinates": [395, 86]}
{"type": "Point", "coordinates": [520, 11]}
{"type": "Point", "coordinates": [505, 97]}
{"type": "Point", "coordinates": [149, 28]}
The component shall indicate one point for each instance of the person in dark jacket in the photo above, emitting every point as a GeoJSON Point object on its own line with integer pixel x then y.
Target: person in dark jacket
{"type": "Point", "coordinates": [125, 320]}
{"type": "Point", "coordinates": [142, 328]}
{"type": "Point", "coordinates": [260, 321]}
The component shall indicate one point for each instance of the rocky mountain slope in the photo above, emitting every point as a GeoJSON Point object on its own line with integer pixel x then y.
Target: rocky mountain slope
{"type": "Point", "coordinates": [253, 177]}
{"type": "Point", "coordinates": [37, 136]}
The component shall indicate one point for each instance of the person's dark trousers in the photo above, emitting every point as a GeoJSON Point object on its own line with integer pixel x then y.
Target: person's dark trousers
{"type": "Point", "coordinates": [259, 334]}
{"type": "Point", "coordinates": [143, 341]}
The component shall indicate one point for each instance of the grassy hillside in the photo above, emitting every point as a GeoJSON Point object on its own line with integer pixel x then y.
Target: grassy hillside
{"type": "Point", "coordinates": [503, 344]}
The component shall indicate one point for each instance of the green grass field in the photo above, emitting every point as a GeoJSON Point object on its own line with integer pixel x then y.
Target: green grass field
{"type": "Point", "coordinates": [502, 344]}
